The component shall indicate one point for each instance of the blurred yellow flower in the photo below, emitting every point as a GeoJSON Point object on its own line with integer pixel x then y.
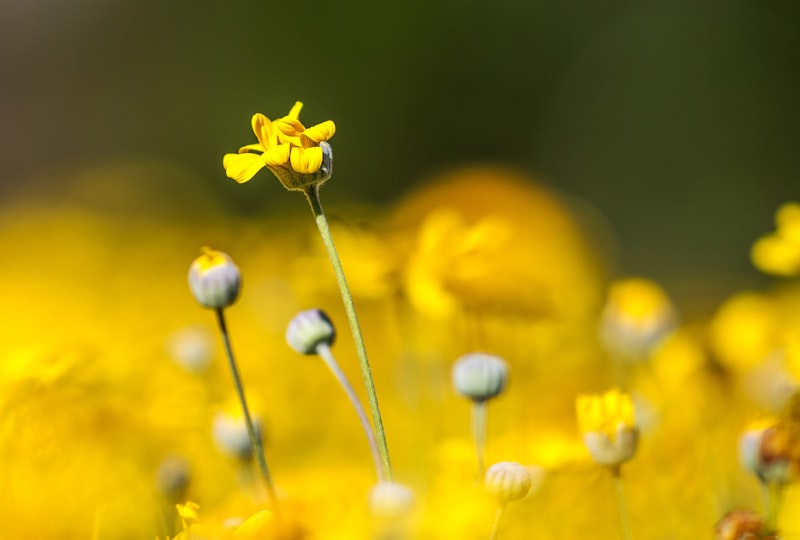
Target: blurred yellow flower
{"type": "Point", "coordinates": [779, 252]}
{"type": "Point", "coordinates": [608, 425]}
{"type": "Point", "coordinates": [637, 315]}
{"type": "Point", "coordinates": [743, 332]}
{"type": "Point", "coordinates": [291, 151]}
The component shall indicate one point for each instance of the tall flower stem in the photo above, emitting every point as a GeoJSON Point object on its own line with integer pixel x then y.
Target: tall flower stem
{"type": "Point", "coordinates": [255, 439]}
{"type": "Point", "coordinates": [774, 497]}
{"type": "Point", "coordinates": [327, 356]}
{"type": "Point", "coordinates": [622, 505]}
{"type": "Point", "coordinates": [479, 433]}
{"type": "Point", "coordinates": [498, 517]}
{"type": "Point", "coordinates": [312, 194]}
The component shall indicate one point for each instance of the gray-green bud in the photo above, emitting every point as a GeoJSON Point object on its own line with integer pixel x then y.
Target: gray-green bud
{"type": "Point", "coordinates": [309, 329]}
{"type": "Point", "coordinates": [214, 279]}
{"type": "Point", "coordinates": [480, 376]}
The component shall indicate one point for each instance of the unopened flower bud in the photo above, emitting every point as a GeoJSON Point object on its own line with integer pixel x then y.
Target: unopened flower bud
{"type": "Point", "coordinates": [479, 376]}
{"type": "Point", "coordinates": [508, 481]}
{"type": "Point", "coordinates": [770, 451]}
{"type": "Point", "coordinates": [390, 500]}
{"type": "Point", "coordinates": [309, 329]}
{"type": "Point", "coordinates": [231, 435]}
{"type": "Point", "coordinates": [214, 279]}
{"type": "Point", "coordinates": [172, 477]}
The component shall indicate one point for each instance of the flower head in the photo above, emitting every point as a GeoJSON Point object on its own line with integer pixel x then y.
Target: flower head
{"type": "Point", "coordinates": [297, 155]}
{"type": "Point", "coordinates": [608, 426]}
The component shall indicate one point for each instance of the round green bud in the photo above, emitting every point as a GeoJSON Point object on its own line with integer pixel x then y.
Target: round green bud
{"type": "Point", "coordinates": [309, 329]}
{"type": "Point", "coordinates": [480, 376]}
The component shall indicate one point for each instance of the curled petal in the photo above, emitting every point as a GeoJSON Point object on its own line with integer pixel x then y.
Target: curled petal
{"type": "Point", "coordinates": [256, 147]}
{"type": "Point", "coordinates": [277, 156]}
{"type": "Point", "coordinates": [321, 132]}
{"type": "Point", "coordinates": [262, 127]}
{"type": "Point", "coordinates": [306, 160]}
{"type": "Point", "coordinates": [242, 167]}
{"type": "Point", "coordinates": [289, 127]}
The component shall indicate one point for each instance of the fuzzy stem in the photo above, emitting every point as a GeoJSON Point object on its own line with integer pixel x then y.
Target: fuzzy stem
{"type": "Point", "coordinates": [479, 434]}
{"type": "Point", "coordinates": [622, 504]}
{"type": "Point", "coordinates": [327, 356]}
{"type": "Point", "coordinates": [255, 439]}
{"type": "Point", "coordinates": [774, 496]}
{"type": "Point", "coordinates": [498, 517]}
{"type": "Point", "coordinates": [312, 194]}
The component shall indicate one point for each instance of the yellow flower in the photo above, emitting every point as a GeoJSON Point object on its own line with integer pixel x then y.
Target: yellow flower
{"type": "Point", "coordinates": [637, 315]}
{"type": "Point", "coordinates": [608, 425]}
{"type": "Point", "coordinates": [779, 252]}
{"type": "Point", "coordinates": [297, 155]}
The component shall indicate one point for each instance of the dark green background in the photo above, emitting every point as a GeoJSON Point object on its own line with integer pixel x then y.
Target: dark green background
{"type": "Point", "coordinates": [678, 120]}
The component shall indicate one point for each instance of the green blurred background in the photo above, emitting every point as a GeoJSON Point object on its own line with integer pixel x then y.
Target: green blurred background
{"type": "Point", "coordinates": [679, 121]}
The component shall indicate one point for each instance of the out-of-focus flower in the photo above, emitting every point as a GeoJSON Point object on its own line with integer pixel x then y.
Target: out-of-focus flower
{"type": "Point", "coordinates": [637, 315]}
{"type": "Point", "coordinates": [214, 279]}
{"type": "Point", "coordinates": [743, 331]}
{"type": "Point", "coordinates": [390, 500]}
{"type": "Point", "coordinates": [480, 376]}
{"type": "Point", "coordinates": [608, 426]}
{"type": "Point", "coordinates": [297, 155]}
{"type": "Point", "coordinates": [741, 525]}
{"type": "Point", "coordinates": [230, 430]}
{"type": "Point", "coordinates": [191, 348]}
{"type": "Point", "coordinates": [508, 481]}
{"type": "Point", "coordinates": [779, 252]}
{"type": "Point", "coordinates": [770, 449]}
{"type": "Point", "coordinates": [488, 240]}
{"type": "Point", "coordinates": [195, 528]}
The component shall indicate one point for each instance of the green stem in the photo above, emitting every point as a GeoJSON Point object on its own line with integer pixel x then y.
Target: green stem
{"type": "Point", "coordinates": [774, 496]}
{"type": "Point", "coordinates": [479, 434]}
{"type": "Point", "coordinates": [255, 439]}
{"type": "Point", "coordinates": [498, 517]}
{"type": "Point", "coordinates": [327, 356]}
{"type": "Point", "coordinates": [312, 194]}
{"type": "Point", "coordinates": [624, 518]}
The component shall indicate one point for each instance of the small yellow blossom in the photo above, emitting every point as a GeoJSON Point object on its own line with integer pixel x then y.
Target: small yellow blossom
{"type": "Point", "coordinates": [779, 252]}
{"type": "Point", "coordinates": [637, 314]}
{"type": "Point", "coordinates": [608, 425]}
{"type": "Point", "coordinates": [297, 155]}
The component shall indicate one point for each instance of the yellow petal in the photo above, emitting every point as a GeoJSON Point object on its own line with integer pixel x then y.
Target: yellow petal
{"type": "Point", "coordinates": [256, 146]}
{"type": "Point", "coordinates": [251, 527]}
{"type": "Point", "coordinates": [306, 160]}
{"type": "Point", "coordinates": [262, 127]}
{"type": "Point", "coordinates": [294, 113]}
{"type": "Point", "coordinates": [321, 132]}
{"type": "Point", "coordinates": [242, 167]}
{"type": "Point", "coordinates": [277, 156]}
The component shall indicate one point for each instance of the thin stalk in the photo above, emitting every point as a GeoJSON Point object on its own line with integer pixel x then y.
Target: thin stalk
{"type": "Point", "coordinates": [498, 517]}
{"type": "Point", "coordinates": [327, 356]}
{"type": "Point", "coordinates": [479, 434]}
{"type": "Point", "coordinates": [622, 505]}
{"type": "Point", "coordinates": [312, 194]}
{"type": "Point", "coordinates": [255, 439]}
{"type": "Point", "coordinates": [774, 496]}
